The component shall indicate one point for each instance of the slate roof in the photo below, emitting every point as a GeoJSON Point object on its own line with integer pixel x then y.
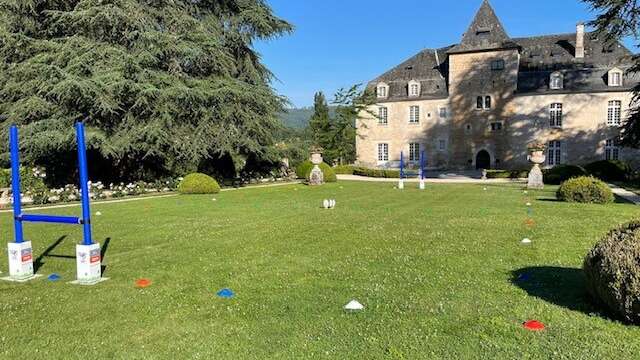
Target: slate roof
{"type": "Point", "coordinates": [540, 56]}
{"type": "Point", "coordinates": [424, 67]}
{"type": "Point", "coordinates": [485, 33]}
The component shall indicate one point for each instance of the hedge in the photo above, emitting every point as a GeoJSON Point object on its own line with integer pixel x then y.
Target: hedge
{"type": "Point", "coordinates": [609, 170]}
{"type": "Point", "coordinates": [562, 173]}
{"type": "Point", "coordinates": [377, 173]}
{"type": "Point", "coordinates": [507, 174]}
{"type": "Point", "coordinates": [344, 169]}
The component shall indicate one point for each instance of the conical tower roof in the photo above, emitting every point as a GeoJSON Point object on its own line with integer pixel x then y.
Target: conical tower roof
{"type": "Point", "coordinates": [485, 33]}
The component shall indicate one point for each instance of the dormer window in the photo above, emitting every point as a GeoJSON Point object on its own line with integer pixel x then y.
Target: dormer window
{"type": "Point", "coordinates": [382, 91]}
{"type": "Point", "coordinates": [483, 31]}
{"type": "Point", "coordinates": [615, 77]}
{"type": "Point", "coordinates": [556, 81]}
{"type": "Point", "coordinates": [414, 88]}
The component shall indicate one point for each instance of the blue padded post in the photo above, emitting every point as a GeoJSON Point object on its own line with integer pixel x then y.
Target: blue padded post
{"type": "Point", "coordinates": [402, 165]}
{"type": "Point", "coordinates": [15, 183]}
{"type": "Point", "coordinates": [84, 186]}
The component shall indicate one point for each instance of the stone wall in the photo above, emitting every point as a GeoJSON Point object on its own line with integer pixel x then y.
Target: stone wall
{"type": "Point", "coordinates": [398, 133]}
{"type": "Point", "coordinates": [584, 131]}
{"type": "Point", "coordinates": [471, 76]}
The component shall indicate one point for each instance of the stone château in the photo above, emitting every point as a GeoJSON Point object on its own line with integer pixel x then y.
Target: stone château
{"type": "Point", "coordinates": [479, 103]}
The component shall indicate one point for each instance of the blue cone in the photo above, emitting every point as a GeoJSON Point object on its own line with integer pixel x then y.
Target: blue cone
{"type": "Point", "coordinates": [225, 293]}
{"type": "Point", "coordinates": [54, 277]}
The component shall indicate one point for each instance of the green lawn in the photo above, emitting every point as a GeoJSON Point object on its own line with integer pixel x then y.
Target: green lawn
{"type": "Point", "coordinates": [435, 270]}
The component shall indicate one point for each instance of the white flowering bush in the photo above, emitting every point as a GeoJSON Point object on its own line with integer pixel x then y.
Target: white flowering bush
{"type": "Point", "coordinates": [34, 190]}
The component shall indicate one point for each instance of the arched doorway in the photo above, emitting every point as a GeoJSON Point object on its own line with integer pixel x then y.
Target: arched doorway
{"type": "Point", "coordinates": [483, 160]}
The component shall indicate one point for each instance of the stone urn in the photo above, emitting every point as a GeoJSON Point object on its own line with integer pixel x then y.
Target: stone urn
{"type": "Point", "coordinates": [316, 177]}
{"type": "Point", "coordinates": [536, 179]}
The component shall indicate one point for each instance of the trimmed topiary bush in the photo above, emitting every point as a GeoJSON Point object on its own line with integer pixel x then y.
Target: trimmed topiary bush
{"type": "Point", "coordinates": [303, 171]}
{"type": "Point", "coordinates": [562, 173]}
{"type": "Point", "coordinates": [609, 170]}
{"type": "Point", "coordinates": [612, 271]}
{"type": "Point", "coordinates": [198, 184]}
{"type": "Point", "coordinates": [585, 189]}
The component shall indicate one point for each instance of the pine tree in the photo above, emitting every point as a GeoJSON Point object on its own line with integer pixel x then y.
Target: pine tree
{"type": "Point", "coordinates": [164, 85]}
{"type": "Point", "coordinates": [350, 104]}
{"type": "Point", "coordinates": [335, 131]}
{"type": "Point", "coordinates": [319, 123]}
{"type": "Point", "coordinates": [618, 19]}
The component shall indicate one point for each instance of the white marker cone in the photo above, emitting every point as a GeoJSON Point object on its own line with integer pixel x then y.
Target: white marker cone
{"type": "Point", "coordinates": [353, 305]}
{"type": "Point", "coordinates": [526, 241]}
{"type": "Point", "coordinates": [98, 213]}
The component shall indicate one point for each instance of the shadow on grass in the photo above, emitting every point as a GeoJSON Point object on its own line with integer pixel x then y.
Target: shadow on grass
{"type": "Point", "coordinates": [618, 200]}
{"type": "Point", "coordinates": [103, 252]}
{"type": "Point", "coordinates": [37, 264]}
{"type": "Point", "coordinates": [560, 286]}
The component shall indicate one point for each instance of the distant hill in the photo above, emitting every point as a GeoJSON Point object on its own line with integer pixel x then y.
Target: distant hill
{"type": "Point", "coordinates": [299, 118]}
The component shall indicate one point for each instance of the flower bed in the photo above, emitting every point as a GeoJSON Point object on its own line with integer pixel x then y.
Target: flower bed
{"type": "Point", "coordinates": [97, 191]}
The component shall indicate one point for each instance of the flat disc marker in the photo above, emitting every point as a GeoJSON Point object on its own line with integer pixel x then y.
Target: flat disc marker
{"type": "Point", "coordinates": [533, 325]}
{"type": "Point", "coordinates": [54, 277]}
{"type": "Point", "coordinates": [143, 283]}
{"type": "Point", "coordinates": [225, 294]}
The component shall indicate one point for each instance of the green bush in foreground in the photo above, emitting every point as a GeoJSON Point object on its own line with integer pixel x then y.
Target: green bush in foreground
{"type": "Point", "coordinates": [612, 271]}
{"type": "Point", "coordinates": [198, 184]}
{"type": "Point", "coordinates": [585, 189]}
{"type": "Point", "coordinates": [609, 170]}
{"type": "Point", "coordinates": [303, 171]}
{"type": "Point", "coordinates": [562, 173]}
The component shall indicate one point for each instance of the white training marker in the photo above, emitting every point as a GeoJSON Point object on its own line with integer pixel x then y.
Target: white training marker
{"type": "Point", "coordinates": [98, 213]}
{"type": "Point", "coordinates": [214, 199]}
{"type": "Point", "coordinates": [325, 204]}
{"type": "Point", "coordinates": [485, 189]}
{"type": "Point", "coordinates": [528, 204]}
{"type": "Point", "coordinates": [353, 305]}
{"type": "Point", "coordinates": [526, 241]}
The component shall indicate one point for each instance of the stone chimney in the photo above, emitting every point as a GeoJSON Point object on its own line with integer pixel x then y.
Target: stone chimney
{"type": "Point", "coordinates": [580, 41]}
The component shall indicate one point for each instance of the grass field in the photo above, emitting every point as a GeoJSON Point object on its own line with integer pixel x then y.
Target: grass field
{"type": "Point", "coordinates": [436, 271]}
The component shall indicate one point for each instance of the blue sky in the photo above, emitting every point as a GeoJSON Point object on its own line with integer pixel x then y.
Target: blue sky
{"type": "Point", "coordinates": [338, 43]}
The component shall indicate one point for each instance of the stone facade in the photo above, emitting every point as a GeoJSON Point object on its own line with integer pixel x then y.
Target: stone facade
{"type": "Point", "coordinates": [481, 102]}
